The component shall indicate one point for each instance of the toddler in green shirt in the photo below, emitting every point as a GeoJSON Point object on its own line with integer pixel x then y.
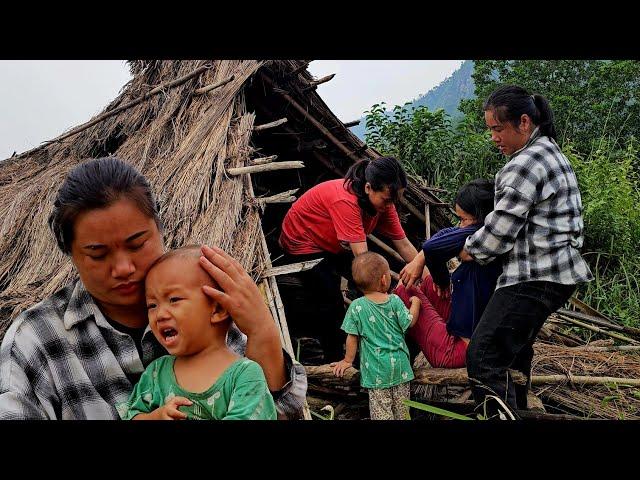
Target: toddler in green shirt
{"type": "Point", "coordinates": [378, 322]}
{"type": "Point", "coordinates": [201, 378]}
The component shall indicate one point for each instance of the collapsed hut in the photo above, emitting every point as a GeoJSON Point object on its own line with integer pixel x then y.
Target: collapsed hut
{"type": "Point", "coordinates": [227, 146]}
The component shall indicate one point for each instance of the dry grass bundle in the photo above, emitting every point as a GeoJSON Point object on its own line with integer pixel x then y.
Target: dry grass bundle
{"type": "Point", "coordinates": [607, 400]}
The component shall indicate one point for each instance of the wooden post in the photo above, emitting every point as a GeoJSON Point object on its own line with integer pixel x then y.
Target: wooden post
{"type": "Point", "coordinates": [308, 116]}
{"type": "Point", "coordinates": [263, 160]}
{"type": "Point", "coordinates": [427, 221]}
{"type": "Point", "coordinates": [292, 268]}
{"type": "Point", "coordinates": [213, 86]}
{"type": "Point", "coordinates": [352, 124]}
{"type": "Point", "coordinates": [314, 83]}
{"type": "Point", "coordinates": [386, 248]}
{"type": "Point", "coordinates": [265, 126]}
{"type": "Point", "coordinates": [283, 197]}
{"type": "Point", "coordinates": [268, 167]}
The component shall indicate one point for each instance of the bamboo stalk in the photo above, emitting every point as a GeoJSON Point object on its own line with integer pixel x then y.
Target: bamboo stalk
{"type": "Point", "coordinates": [265, 126]}
{"type": "Point", "coordinates": [314, 83]}
{"type": "Point", "coordinates": [268, 167]}
{"type": "Point", "coordinates": [599, 330]}
{"type": "Point", "coordinates": [386, 248]}
{"type": "Point", "coordinates": [213, 86]}
{"type": "Point", "coordinates": [263, 160]}
{"type": "Point", "coordinates": [427, 221]}
{"type": "Point", "coordinates": [283, 197]}
{"type": "Point", "coordinates": [599, 321]}
{"type": "Point", "coordinates": [612, 348]}
{"type": "Point", "coordinates": [309, 117]}
{"type": "Point", "coordinates": [104, 116]}
{"type": "Point", "coordinates": [413, 209]}
{"type": "Point", "coordinates": [581, 380]}
{"type": "Point", "coordinates": [291, 268]}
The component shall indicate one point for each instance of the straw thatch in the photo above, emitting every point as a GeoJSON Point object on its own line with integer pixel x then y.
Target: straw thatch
{"type": "Point", "coordinates": [183, 136]}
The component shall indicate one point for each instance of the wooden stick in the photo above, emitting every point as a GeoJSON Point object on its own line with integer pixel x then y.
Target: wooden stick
{"type": "Point", "coordinates": [599, 330]}
{"type": "Point", "coordinates": [386, 248]}
{"type": "Point", "coordinates": [284, 197]}
{"type": "Point", "coordinates": [413, 210]}
{"type": "Point", "coordinates": [427, 221]}
{"type": "Point", "coordinates": [587, 309]}
{"type": "Point", "coordinates": [104, 116]}
{"type": "Point", "coordinates": [581, 380]}
{"type": "Point", "coordinates": [314, 83]}
{"type": "Point", "coordinates": [265, 126]}
{"type": "Point", "coordinates": [423, 376]}
{"type": "Point", "coordinates": [612, 348]}
{"type": "Point", "coordinates": [213, 86]}
{"type": "Point", "coordinates": [309, 117]}
{"type": "Point", "coordinates": [352, 123]}
{"type": "Point", "coordinates": [292, 268]}
{"type": "Point", "coordinates": [263, 160]}
{"type": "Point", "coordinates": [599, 321]}
{"type": "Point", "coordinates": [264, 168]}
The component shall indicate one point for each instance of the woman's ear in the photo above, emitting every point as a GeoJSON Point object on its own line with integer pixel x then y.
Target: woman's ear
{"type": "Point", "coordinates": [219, 314]}
{"type": "Point", "coordinates": [525, 123]}
{"type": "Point", "coordinates": [367, 188]}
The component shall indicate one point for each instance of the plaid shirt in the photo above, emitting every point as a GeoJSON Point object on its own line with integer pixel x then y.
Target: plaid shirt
{"type": "Point", "coordinates": [61, 359]}
{"type": "Point", "coordinates": [537, 219]}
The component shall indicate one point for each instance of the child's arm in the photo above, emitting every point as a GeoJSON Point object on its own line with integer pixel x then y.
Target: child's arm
{"type": "Point", "coordinates": [414, 310]}
{"type": "Point", "coordinates": [349, 356]}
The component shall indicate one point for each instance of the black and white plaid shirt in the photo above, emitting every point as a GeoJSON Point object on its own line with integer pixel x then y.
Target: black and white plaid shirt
{"type": "Point", "coordinates": [537, 219]}
{"type": "Point", "coordinates": [61, 359]}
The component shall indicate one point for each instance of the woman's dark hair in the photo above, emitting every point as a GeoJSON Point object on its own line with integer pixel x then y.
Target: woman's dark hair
{"type": "Point", "coordinates": [510, 102]}
{"type": "Point", "coordinates": [476, 198]}
{"type": "Point", "coordinates": [97, 184]}
{"type": "Point", "coordinates": [380, 173]}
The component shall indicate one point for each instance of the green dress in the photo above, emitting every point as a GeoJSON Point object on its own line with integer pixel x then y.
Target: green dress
{"type": "Point", "coordinates": [384, 356]}
{"type": "Point", "coordinates": [241, 393]}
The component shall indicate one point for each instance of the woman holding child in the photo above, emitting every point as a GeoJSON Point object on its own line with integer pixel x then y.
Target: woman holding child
{"type": "Point", "coordinates": [79, 352]}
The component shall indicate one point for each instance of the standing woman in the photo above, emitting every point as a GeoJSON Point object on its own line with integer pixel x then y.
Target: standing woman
{"type": "Point", "coordinates": [331, 221]}
{"type": "Point", "coordinates": [537, 226]}
{"type": "Point", "coordinates": [79, 352]}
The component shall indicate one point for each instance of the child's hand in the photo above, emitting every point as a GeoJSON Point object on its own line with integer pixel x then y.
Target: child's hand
{"type": "Point", "coordinates": [340, 367]}
{"type": "Point", "coordinates": [415, 300]}
{"type": "Point", "coordinates": [169, 411]}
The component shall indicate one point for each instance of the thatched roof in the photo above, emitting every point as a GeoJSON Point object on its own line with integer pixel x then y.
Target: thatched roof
{"type": "Point", "coordinates": [184, 140]}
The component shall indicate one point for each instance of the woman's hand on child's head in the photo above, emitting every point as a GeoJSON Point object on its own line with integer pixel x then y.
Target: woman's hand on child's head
{"type": "Point", "coordinates": [340, 367]}
{"type": "Point", "coordinates": [169, 411]}
{"type": "Point", "coordinates": [238, 293]}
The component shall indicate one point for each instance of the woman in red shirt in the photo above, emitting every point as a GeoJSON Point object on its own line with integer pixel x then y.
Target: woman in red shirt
{"type": "Point", "coordinates": [331, 221]}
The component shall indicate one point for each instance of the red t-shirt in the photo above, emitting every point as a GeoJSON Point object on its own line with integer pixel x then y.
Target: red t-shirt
{"type": "Point", "coordinates": [327, 215]}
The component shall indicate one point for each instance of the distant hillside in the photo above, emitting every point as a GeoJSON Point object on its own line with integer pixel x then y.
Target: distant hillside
{"type": "Point", "coordinates": [446, 95]}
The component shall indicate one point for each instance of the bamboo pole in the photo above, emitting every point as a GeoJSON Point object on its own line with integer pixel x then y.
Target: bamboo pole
{"type": "Point", "coordinates": [213, 86]}
{"type": "Point", "coordinates": [283, 197]}
{"type": "Point", "coordinates": [427, 221]}
{"type": "Point", "coordinates": [104, 116]}
{"type": "Point", "coordinates": [268, 167]}
{"type": "Point", "coordinates": [309, 117]}
{"type": "Point", "coordinates": [386, 248]}
{"type": "Point", "coordinates": [598, 330]}
{"type": "Point", "coordinates": [314, 83]}
{"type": "Point", "coordinates": [599, 321]}
{"type": "Point", "coordinates": [266, 126]}
{"type": "Point", "coordinates": [292, 268]}
{"type": "Point", "coordinates": [581, 380]}
{"type": "Point", "coordinates": [263, 160]}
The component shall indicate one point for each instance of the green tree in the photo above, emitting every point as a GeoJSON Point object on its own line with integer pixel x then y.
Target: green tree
{"type": "Point", "coordinates": [591, 99]}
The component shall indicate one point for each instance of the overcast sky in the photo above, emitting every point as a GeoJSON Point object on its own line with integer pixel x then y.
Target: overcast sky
{"type": "Point", "coordinates": [41, 99]}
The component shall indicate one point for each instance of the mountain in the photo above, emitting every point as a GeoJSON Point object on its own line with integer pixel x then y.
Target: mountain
{"type": "Point", "coordinates": [446, 95]}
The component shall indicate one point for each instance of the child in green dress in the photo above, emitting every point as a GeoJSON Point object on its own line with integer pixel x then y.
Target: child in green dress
{"type": "Point", "coordinates": [201, 378]}
{"type": "Point", "coordinates": [378, 322]}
